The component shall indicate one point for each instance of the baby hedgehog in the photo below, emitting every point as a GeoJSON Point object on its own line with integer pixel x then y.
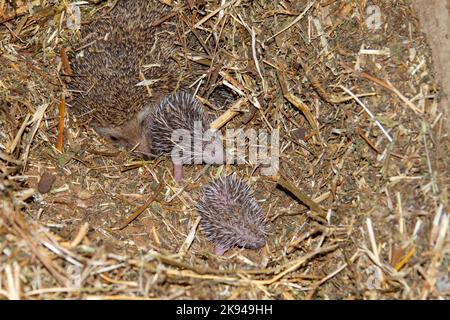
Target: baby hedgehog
{"type": "Point", "coordinates": [230, 215]}
{"type": "Point", "coordinates": [176, 126]}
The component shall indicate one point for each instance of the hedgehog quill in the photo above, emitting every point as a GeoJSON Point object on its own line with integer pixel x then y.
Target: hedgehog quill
{"type": "Point", "coordinates": [120, 50]}
{"type": "Point", "coordinates": [151, 132]}
{"type": "Point", "coordinates": [230, 215]}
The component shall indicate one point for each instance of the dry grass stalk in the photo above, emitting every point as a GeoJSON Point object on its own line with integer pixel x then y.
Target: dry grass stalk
{"type": "Point", "coordinates": [62, 108]}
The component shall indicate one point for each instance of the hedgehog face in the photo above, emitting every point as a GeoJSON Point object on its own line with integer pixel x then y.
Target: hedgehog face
{"type": "Point", "coordinates": [251, 234]}
{"type": "Point", "coordinates": [129, 136]}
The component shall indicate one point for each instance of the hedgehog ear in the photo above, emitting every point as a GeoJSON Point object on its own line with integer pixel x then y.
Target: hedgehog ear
{"type": "Point", "coordinates": [116, 135]}
{"type": "Point", "coordinates": [130, 136]}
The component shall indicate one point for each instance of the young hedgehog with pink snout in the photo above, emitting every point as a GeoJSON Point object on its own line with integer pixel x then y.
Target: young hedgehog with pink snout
{"type": "Point", "coordinates": [177, 126]}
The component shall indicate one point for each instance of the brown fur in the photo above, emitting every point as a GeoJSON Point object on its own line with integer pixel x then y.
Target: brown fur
{"type": "Point", "coordinates": [121, 47]}
{"type": "Point", "coordinates": [125, 42]}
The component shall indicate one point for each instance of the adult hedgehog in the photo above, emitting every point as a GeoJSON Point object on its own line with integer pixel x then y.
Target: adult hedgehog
{"type": "Point", "coordinates": [120, 50]}
{"type": "Point", "coordinates": [123, 80]}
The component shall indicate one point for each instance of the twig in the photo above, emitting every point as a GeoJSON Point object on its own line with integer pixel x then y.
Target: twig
{"type": "Point", "coordinates": [374, 246]}
{"type": "Point", "coordinates": [15, 142]}
{"type": "Point", "coordinates": [37, 118]}
{"type": "Point", "coordinates": [387, 85]}
{"type": "Point", "coordinates": [282, 181]}
{"type": "Point", "coordinates": [408, 103]}
{"type": "Point", "coordinates": [296, 101]}
{"type": "Point", "coordinates": [255, 58]}
{"type": "Point", "coordinates": [45, 260]}
{"type": "Point", "coordinates": [141, 209]}
{"type": "Point", "coordinates": [213, 13]}
{"type": "Point", "coordinates": [7, 158]}
{"type": "Point", "coordinates": [331, 275]}
{"type": "Point", "coordinates": [59, 144]}
{"type": "Point", "coordinates": [368, 112]}
{"type": "Point", "coordinates": [300, 16]}
{"type": "Point", "coordinates": [215, 275]}
{"type": "Point", "coordinates": [234, 110]}
{"type": "Point", "coordinates": [81, 234]}
{"type": "Point", "coordinates": [187, 243]}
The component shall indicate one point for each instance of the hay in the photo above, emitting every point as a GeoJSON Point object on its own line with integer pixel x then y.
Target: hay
{"type": "Point", "coordinates": [360, 210]}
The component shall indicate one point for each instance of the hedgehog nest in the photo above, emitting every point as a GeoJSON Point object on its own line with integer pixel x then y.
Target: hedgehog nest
{"type": "Point", "coordinates": [357, 209]}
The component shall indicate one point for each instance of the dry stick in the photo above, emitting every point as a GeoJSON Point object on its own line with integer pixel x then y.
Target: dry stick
{"type": "Point", "coordinates": [438, 252]}
{"type": "Point", "coordinates": [298, 263]}
{"type": "Point", "coordinates": [405, 259]}
{"type": "Point", "coordinates": [372, 240]}
{"type": "Point", "coordinates": [164, 18]}
{"type": "Point", "coordinates": [368, 112]}
{"type": "Point", "coordinates": [59, 144]}
{"type": "Point", "coordinates": [15, 142]}
{"type": "Point", "coordinates": [331, 275]}
{"type": "Point", "coordinates": [81, 234]}
{"type": "Point", "coordinates": [213, 13]}
{"type": "Point", "coordinates": [408, 103]}
{"type": "Point", "coordinates": [7, 158]}
{"type": "Point", "coordinates": [237, 87]}
{"type": "Point", "coordinates": [37, 118]}
{"type": "Point", "coordinates": [200, 40]}
{"type": "Point", "coordinates": [282, 181]}
{"type": "Point", "coordinates": [218, 275]}
{"type": "Point", "coordinates": [58, 290]}
{"type": "Point", "coordinates": [293, 245]}
{"type": "Point", "coordinates": [234, 85]}
{"type": "Point", "coordinates": [46, 261]}
{"type": "Point", "coordinates": [373, 244]}
{"type": "Point", "coordinates": [228, 115]}
{"type": "Point", "coordinates": [368, 141]}
{"type": "Point", "coordinates": [296, 101]}
{"type": "Point", "coordinates": [5, 294]}
{"type": "Point", "coordinates": [138, 212]}
{"type": "Point", "coordinates": [12, 285]}
{"type": "Point", "coordinates": [318, 87]}
{"type": "Point", "coordinates": [387, 85]}
{"type": "Point", "coordinates": [367, 76]}
{"type": "Point", "coordinates": [189, 239]}
{"type": "Point", "coordinates": [205, 270]}
{"type": "Point", "coordinates": [255, 58]}
{"type": "Point", "coordinates": [300, 16]}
